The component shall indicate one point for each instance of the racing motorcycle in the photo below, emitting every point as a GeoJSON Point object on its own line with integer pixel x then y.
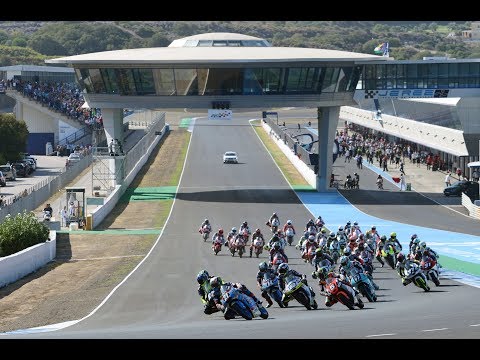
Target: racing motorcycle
{"type": "Point", "coordinates": [257, 247]}
{"type": "Point", "coordinates": [430, 269]}
{"type": "Point", "coordinates": [272, 287]}
{"type": "Point", "coordinates": [361, 282]}
{"type": "Point", "coordinates": [217, 246]}
{"type": "Point", "coordinates": [274, 225]}
{"type": "Point", "coordinates": [289, 235]}
{"type": "Point", "coordinates": [334, 250]}
{"type": "Point", "coordinates": [295, 288]}
{"type": "Point", "coordinates": [389, 255]}
{"type": "Point", "coordinates": [240, 246]}
{"type": "Point", "coordinates": [416, 275]}
{"type": "Point", "coordinates": [205, 231]}
{"type": "Point", "coordinates": [340, 292]}
{"type": "Point", "coordinates": [277, 260]}
{"type": "Point", "coordinates": [241, 304]}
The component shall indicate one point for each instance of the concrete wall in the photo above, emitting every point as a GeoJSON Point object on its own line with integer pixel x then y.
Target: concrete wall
{"type": "Point", "coordinates": [101, 212]}
{"type": "Point", "coordinates": [16, 266]}
{"type": "Point", "coordinates": [473, 210]}
{"type": "Point", "coordinates": [303, 168]}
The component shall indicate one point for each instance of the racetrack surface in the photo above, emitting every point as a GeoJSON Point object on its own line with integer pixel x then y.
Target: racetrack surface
{"type": "Point", "coordinates": [159, 299]}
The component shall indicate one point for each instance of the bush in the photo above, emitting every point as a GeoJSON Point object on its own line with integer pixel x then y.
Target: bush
{"type": "Point", "coordinates": [20, 232]}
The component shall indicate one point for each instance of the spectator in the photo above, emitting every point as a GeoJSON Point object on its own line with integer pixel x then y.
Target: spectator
{"type": "Point", "coordinates": [447, 179]}
{"type": "Point", "coordinates": [402, 182]}
{"type": "Point", "coordinates": [63, 216]}
{"type": "Point", "coordinates": [459, 173]}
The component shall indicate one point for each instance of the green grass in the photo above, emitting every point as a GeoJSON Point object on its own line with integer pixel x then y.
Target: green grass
{"type": "Point", "coordinates": [291, 173]}
{"type": "Point", "coordinates": [175, 176]}
{"type": "Point", "coordinates": [161, 217]}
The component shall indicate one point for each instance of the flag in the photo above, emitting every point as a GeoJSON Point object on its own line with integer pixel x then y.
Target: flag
{"type": "Point", "coordinates": [381, 49]}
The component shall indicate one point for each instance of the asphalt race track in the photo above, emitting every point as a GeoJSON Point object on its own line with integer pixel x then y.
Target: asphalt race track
{"type": "Point", "coordinates": [159, 299]}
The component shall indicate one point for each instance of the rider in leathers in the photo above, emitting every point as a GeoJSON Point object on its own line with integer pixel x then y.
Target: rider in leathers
{"type": "Point", "coordinates": [402, 266]}
{"type": "Point", "coordinates": [322, 274]}
{"type": "Point", "coordinates": [205, 222]}
{"type": "Point", "coordinates": [256, 235]}
{"type": "Point", "coordinates": [218, 235]}
{"type": "Point", "coordinates": [265, 272]}
{"type": "Point", "coordinates": [203, 279]}
{"type": "Point", "coordinates": [321, 255]}
{"type": "Point", "coordinates": [285, 275]}
{"type": "Point", "coordinates": [277, 248]}
{"type": "Point", "coordinates": [215, 294]}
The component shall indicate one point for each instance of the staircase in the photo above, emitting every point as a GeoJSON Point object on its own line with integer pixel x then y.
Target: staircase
{"type": "Point", "coordinates": [18, 96]}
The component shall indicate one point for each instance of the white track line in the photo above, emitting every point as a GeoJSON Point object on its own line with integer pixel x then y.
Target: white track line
{"type": "Point", "coordinates": [435, 329]}
{"type": "Point", "coordinates": [376, 335]}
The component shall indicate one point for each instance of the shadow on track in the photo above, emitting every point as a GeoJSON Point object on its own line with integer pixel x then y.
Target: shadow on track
{"type": "Point", "coordinates": [254, 196]}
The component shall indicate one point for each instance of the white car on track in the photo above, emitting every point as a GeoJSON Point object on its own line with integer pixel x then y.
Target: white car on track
{"type": "Point", "coordinates": [230, 157]}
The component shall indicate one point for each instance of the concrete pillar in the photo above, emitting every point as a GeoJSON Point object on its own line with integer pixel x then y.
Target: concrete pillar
{"type": "Point", "coordinates": [327, 126]}
{"type": "Point", "coordinates": [113, 125]}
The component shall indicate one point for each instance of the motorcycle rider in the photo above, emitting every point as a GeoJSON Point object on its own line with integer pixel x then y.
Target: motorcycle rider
{"type": "Point", "coordinates": [288, 225]}
{"type": "Point", "coordinates": [270, 220]}
{"type": "Point", "coordinates": [265, 272]}
{"type": "Point", "coordinates": [402, 266]}
{"type": "Point", "coordinates": [231, 235]}
{"type": "Point", "coordinates": [310, 223]}
{"type": "Point", "coordinates": [205, 222]}
{"type": "Point", "coordinates": [380, 245]}
{"type": "Point", "coordinates": [320, 259]}
{"type": "Point", "coordinates": [366, 256]}
{"type": "Point", "coordinates": [277, 248]}
{"type": "Point", "coordinates": [308, 245]}
{"type": "Point", "coordinates": [372, 234]}
{"type": "Point", "coordinates": [244, 227]}
{"type": "Point", "coordinates": [285, 273]}
{"type": "Point", "coordinates": [319, 222]}
{"type": "Point", "coordinates": [346, 268]}
{"type": "Point", "coordinates": [203, 279]}
{"type": "Point", "coordinates": [412, 242]}
{"type": "Point", "coordinates": [256, 235]}
{"type": "Point", "coordinates": [394, 241]}
{"type": "Point", "coordinates": [322, 238]}
{"type": "Point", "coordinates": [215, 295]}
{"type": "Point", "coordinates": [423, 248]}
{"type": "Point", "coordinates": [218, 236]}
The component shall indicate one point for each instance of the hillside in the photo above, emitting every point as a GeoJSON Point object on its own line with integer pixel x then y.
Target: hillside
{"type": "Point", "coordinates": [408, 40]}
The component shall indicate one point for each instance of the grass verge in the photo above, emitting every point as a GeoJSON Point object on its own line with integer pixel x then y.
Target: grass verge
{"type": "Point", "coordinates": [291, 173]}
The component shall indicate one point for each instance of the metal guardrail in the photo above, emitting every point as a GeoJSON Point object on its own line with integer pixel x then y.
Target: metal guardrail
{"type": "Point", "coordinates": [280, 132]}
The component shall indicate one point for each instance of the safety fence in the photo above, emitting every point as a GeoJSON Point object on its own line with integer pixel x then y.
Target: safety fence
{"type": "Point", "coordinates": [33, 197]}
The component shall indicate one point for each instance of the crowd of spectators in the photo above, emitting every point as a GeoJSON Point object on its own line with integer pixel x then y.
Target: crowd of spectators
{"type": "Point", "coordinates": [65, 98]}
{"type": "Point", "coordinates": [357, 141]}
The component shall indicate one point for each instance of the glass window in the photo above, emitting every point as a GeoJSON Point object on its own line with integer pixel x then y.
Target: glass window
{"type": "Point", "coordinates": [219, 43]}
{"type": "Point", "coordinates": [273, 80]}
{"type": "Point", "coordinates": [84, 80]}
{"type": "Point", "coordinates": [224, 82]}
{"type": "Point", "coordinates": [252, 82]}
{"type": "Point", "coordinates": [186, 81]}
{"type": "Point", "coordinates": [293, 78]}
{"type": "Point", "coordinates": [327, 81]}
{"type": "Point", "coordinates": [202, 76]}
{"type": "Point", "coordinates": [234, 43]}
{"type": "Point", "coordinates": [144, 82]}
{"type": "Point", "coordinates": [205, 43]}
{"type": "Point", "coordinates": [97, 81]}
{"type": "Point", "coordinates": [109, 79]}
{"type": "Point", "coordinates": [164, 83]}
{"type": "Point", "coordinates": [125, 81]}
{"type": "Point", "coordinates": [191, 43]}
{"type": "Point", "coordinates": [344, 79]}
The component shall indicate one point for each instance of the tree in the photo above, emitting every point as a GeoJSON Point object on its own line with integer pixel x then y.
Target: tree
{"type": "Point", "coordinates": [45, 44]}
{"type": "Point", "coordinates": [3, 37]}
{"type": "Point", "coordinates": [158, 40]}
{"type": "Point", "coordinates": [13, 137]}
{"type": "Point", "coordinates": [19, 41]}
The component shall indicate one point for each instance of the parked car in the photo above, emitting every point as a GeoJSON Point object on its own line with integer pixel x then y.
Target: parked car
{"type": "Point", "coordinates": [27, 165]}
{"type": "Point", "coordinates": [31, 162]}
{"type": "Point", "coordinates": [9, 172]}
{"type": "Point", "coordinates": [3, 180]}
{"type": "Point", "coordinates": [22, 169]}
{"type": "Point", "coordinates": [230, 157]}
{"type": "Point", "coordinates": [459, 187]}
{"type": "Point", "coordinates": [74, 158]}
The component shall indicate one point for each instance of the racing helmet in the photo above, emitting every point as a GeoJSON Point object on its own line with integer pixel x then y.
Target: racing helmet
{"type": "Point", "coordinates": [393, 235]}
{"type": "Point", "coordinates": [220, 231]}
{"type": "Point", "coordinates": [202, 276]}
{"type": "Point", "coordinates": [400, 257]}
{"type": "Point", "coordinates": [276, 246]}
{"type": "Point", "coordinates": [216, 281]}
{"type": "Point", "coordinates": [283, 268]}
{"type": "Point", "coordinates": [332, 235]}
{"type": "Point", "coordinates": [344, 260]}
{"type": "Point", "coordinates": [289, 222]}
{"type": "Point", "coordinates": [263, 266]}
{"type": "Point", "coordinates": [311, 238]}
{"type": "Point", "coordinates": [234, 230]}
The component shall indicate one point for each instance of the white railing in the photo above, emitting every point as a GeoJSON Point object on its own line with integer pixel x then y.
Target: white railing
{"type": "Point", "coordinates": [473, 210]}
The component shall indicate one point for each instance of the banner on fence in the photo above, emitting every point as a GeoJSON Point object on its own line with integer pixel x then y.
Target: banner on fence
{"type": "Point", "coordinates": [215, 114]}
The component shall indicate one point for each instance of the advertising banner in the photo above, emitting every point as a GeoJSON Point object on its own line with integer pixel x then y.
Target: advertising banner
{"type": "Point", "coordinates": [214, 114]}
